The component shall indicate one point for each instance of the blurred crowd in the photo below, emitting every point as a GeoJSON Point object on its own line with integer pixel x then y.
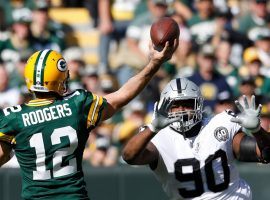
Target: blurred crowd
{"type": "Point", "coordinates": [224, 48]}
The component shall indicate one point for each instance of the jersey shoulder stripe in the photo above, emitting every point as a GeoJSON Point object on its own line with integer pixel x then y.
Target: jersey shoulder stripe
{"type": "Point", "coordinates": [5, 129]}
{"type": "Point", "coordinates": [94, 113]}
{"type": "Point", "coordinates": [92, 104]}
{"type": "Point", "coordinates": [7, 138]}
{"type": "Point", "coordinates": [39, 102]}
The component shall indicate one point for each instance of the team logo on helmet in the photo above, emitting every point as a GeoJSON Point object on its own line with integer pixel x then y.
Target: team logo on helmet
{"type": "Point", "coordinates": [221, 134]}
{"type": "Point", "coordinates": [62, 65]}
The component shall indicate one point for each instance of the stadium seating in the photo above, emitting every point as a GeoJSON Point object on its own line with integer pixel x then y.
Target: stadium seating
{"type": "Point", "coordinates": [79, 30]}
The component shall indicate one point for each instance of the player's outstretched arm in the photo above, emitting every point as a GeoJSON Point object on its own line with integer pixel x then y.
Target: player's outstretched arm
{"type": "Point", "coordinates": [5, 150]}
{"type": "Point", "coordinates": [249, 119]}
{"type": "Point", "coordinates": [139, 150]}
{"type": "Point", "coordinates": [135, 85]}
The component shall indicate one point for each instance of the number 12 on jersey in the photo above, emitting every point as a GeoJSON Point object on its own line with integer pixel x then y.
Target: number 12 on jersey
{"type": "Point", "coordinates": [37, 142]}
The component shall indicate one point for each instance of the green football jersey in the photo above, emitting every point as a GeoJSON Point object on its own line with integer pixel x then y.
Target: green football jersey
{"type": "Point", "coordinates": [49, 138]}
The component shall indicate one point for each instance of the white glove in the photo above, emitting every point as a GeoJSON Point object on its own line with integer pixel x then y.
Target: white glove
{"type": "Point", "coordinates": [160, 117]}
{"type": "Point", "coordinates": [249, 118]}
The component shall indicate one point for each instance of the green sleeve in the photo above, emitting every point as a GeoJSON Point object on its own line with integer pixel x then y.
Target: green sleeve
{"type": "Point", "coordinates": [6, 130]}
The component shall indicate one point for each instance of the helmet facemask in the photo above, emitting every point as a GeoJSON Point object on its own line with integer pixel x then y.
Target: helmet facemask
{"type": "Point", "coordinates": [65, 83]}
{"type": "Point", "coordinates": [189, 116]}
{"type": "Point", "coordinates": [186, 104]}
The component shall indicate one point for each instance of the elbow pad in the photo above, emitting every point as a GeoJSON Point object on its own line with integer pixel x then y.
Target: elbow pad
{"type": "Point", "coordinates": [265, 155]}
{"type": "Point", "coordinates": [247, 151]}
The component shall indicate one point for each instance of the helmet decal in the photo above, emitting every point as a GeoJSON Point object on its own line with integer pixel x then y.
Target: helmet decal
{"type": "Point", "coordinates": [61, 65]}
{"type": "Point", "coordinates": [39, 67]}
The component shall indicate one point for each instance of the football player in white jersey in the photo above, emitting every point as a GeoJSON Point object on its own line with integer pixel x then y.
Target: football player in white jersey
{"type": "Point", "coordinates": [193, 157]}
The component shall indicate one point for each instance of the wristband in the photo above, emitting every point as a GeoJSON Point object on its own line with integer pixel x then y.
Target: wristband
{"type": "Point", "coordinates": [152, 128]}
{"type": "Point", "coordinates": [142, 128]}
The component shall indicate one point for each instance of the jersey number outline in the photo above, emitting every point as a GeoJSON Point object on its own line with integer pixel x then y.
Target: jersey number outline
{"type": "Point", "coordinates": [196, 175]}
{"type": "Point", "coordinates": [37, 142]}
{"type": "Point", "coordinates": [7, 110]}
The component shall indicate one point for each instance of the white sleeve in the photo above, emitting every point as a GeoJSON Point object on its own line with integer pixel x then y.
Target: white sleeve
{"type": "Point", "coordinates": [160, 139]}
{"type": "Point", "coordinates": [224, 120]}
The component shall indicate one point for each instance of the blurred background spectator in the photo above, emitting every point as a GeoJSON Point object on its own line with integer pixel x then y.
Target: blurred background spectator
{"type": "Point", "coordinates": [76, 65]}
{"type": "Point", "coordinates": [100, 152]}
{"type": "Point", "coordinates": [134, 116]}
{"type": "Point", "coordinates": [47, 33]}
{"type": "Point", "coordinates": [138, 38]}
{"type": "Point", "coordinates": [202, 22]}
{"type": "Point", "coordinates": [19, 40]}
{"type": "Point", "coordinates": [208, 79]}
{"type": "Point", "coordinates": [224, 48]}
{"type": "Point", "coordinates": [13, 9]}
{"type": "Point", "coordinates": [257, 16]}
{"type": "Point", "coordinates": [224, 65]}
{"type": "Point", "coordinates": [253, 68]}
{"type": "Point", "coordinates": [113, 19]}
{"type": "Point", "coordinates": [8, 96]}
{"type": "Point", "coordinates": [262, 44]}
{"type": "Point", "coordinates": [224, 103]}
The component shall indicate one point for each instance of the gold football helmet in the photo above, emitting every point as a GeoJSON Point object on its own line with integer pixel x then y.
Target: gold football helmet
{"type": "Point", "coordinates": [46, 71]}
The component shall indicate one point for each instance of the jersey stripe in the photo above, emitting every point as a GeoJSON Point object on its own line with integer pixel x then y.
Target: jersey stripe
{"type": "Point", "coordinates": [89, 117]}
{"type": "Point", "coordinates": [97, 113]}
{"type": "Point", "coordinates": [39, 71]}
{"type": "Point", "coordinates": [39, 102]}
{"type": "Point", "coordinates": [94, 110]}
{"type": "Point", "coordinates": [7, 138]}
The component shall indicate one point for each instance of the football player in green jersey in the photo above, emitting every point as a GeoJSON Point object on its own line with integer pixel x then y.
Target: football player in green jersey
{"type": "Point", "coordinates": [48, 134]}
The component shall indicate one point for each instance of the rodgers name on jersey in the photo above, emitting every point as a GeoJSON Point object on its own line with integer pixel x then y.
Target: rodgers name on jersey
{"type": "Point", "coordinates": [46, 114]}
{"type": "Point", "coordinates": [49, 136]}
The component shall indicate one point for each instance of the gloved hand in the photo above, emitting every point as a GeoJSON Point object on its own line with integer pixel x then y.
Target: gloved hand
{"type": "Point", "coordinates": [249, 118]}
{"type": "Point", "coordinates": [160, 117]}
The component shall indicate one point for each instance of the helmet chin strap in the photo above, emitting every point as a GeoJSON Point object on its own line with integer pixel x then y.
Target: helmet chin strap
{"type": "Point", "coordinates": [66, 82]}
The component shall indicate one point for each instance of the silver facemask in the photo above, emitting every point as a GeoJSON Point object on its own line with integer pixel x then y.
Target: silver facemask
{"type": "Point", "coordinates": [182, 89]}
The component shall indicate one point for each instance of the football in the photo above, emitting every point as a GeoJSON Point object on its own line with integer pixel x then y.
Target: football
{"type": "Point", "coordinates": [163, 30]}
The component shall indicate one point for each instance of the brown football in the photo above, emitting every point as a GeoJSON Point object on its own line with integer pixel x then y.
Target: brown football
{"type": "Point", "coordinates": [165, 29]}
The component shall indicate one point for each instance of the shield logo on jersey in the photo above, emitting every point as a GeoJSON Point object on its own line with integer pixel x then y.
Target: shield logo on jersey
{"type": "Point", "coordinates": [221, 134]}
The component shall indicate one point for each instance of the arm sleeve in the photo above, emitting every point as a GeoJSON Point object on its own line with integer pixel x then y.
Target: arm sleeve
{"type": "Point", "coordinates": [6, 132]}
{"type": "Point", "coordinates": [248, 150]}
{"type": "Point", "coordinates": [94, 105]}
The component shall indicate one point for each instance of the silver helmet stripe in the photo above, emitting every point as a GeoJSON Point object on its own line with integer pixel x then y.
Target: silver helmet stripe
{"type": "Point", "coordinates": [178, 85]}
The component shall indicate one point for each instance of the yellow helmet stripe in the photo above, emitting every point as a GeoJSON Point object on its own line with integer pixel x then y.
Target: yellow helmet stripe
{"type": "Point", "coordinates": [39, 70]}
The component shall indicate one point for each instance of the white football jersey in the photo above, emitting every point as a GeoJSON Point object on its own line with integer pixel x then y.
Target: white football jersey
{"type": "Point", "coordinates": [200, 167]}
